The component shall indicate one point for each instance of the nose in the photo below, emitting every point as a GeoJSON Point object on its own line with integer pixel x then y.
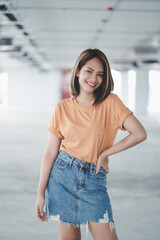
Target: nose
{"type": "Point", "coordinates": [94, 78]}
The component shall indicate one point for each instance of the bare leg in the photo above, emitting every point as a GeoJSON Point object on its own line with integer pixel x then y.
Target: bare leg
{"type": "Point", "coordinates": [103, 231]}
{"type": "Point", "coordinates": [68, 231]}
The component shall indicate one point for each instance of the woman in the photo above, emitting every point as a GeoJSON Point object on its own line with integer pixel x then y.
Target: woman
{"type": "Point", "coordinates": [72, 188]}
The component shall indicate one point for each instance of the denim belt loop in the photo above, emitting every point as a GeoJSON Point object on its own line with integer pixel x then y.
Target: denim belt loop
{"type": "Point", "coordinates": [91, 168]}
{"type": "Point", "coordinates": [71, 161]}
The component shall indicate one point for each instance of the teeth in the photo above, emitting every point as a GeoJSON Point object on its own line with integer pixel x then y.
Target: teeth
{"type": "Point", "coordinates": [92, 84]}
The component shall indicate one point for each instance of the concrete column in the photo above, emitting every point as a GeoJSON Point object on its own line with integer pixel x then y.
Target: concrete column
{"type": "Point", "coordinates": [125, 87]}
{"type": "Point", "coordinates": [142, 91]}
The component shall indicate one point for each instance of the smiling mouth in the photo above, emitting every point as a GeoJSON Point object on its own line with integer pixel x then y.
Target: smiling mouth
{"type": "Point", "coordinates": [91, 84]}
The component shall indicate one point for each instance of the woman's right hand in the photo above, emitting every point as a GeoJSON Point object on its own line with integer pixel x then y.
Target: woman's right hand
{"type": "Point", "coordinates": [39, 209]}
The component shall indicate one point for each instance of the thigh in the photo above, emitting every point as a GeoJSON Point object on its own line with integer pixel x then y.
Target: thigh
{"type": "Point", "coordinates": [103, 231]}
{"type": "Point", "coordinates": [68, 231]}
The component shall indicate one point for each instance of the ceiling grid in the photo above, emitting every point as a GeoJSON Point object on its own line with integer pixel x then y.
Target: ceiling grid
{"type": "Point", "coordinates": [51, 34]}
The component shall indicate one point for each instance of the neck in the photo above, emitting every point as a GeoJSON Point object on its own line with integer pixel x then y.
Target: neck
{"type": "Point", "coordinates": [85, 99]}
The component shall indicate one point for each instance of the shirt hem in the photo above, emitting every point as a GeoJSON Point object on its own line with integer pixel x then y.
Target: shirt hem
{"type": "Point", "coordinates": [126, 114]}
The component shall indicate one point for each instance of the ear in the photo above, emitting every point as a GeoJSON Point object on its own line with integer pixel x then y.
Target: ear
{"type": "Point", "coordinates": [77, 72]}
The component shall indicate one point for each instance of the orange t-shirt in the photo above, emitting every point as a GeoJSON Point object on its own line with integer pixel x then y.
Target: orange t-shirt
{"type": "Point", "coordinates": [87, 131]}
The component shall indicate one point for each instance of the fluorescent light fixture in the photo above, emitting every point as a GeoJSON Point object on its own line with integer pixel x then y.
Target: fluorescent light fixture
{"type": "Point", "coordinates": [3, 7]}
{"type": "Point", "coordinates": [11, 17]}
{"type": "Point", "coordinates": [5, 41]}
{"type": "Point", "coordinates": [6, 44]}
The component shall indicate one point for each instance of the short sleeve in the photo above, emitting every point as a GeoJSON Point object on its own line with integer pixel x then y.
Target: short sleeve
{"type": "Point", "coordinates": [54, 124]}
{"type": "Point", "coordinates": [119, 112]}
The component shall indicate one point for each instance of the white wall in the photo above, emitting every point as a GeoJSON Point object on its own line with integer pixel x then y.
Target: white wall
{"type": "Point", "coordinates": [28, 88]}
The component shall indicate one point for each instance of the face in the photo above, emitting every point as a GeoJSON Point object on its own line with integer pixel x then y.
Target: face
{"type": "Point", "coordinates": [90, 75]}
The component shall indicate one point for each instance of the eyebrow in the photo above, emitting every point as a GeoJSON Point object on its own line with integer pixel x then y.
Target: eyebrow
{"type": "Point", "coordinates": [93, 69]}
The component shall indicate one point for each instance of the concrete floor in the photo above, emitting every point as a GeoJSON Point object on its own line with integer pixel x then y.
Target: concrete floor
{"type": "Point", "coordinates": [133, 182]}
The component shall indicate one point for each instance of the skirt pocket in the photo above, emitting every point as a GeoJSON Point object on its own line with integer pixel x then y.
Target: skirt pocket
{"type": "Point", "coordinates": [101, 174]}
{"type": "Point", "coordinates": [60, 163]}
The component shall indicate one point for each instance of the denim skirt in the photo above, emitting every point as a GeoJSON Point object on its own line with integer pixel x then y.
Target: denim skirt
{"type": "Point", "coordinates": [75, 194]}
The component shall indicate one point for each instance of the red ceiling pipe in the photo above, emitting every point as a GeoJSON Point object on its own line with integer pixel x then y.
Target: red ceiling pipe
{"type": "Point", "coordinates": [110, 8]}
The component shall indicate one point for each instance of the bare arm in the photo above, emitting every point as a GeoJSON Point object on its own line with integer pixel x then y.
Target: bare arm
{"type": "Point", "coordinates": [49, 156]}
{"type": "Point", "coordinates": [136, 135]}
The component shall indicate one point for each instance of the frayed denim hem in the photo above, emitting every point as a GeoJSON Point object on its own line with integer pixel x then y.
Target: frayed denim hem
{"type": "Point", "coordinates": [57, 218]}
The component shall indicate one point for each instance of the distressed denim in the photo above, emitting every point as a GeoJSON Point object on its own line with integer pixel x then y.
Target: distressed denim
{"type": "Point", "coordinates": [75, 194]}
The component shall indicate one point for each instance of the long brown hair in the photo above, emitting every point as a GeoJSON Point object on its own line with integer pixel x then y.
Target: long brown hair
{"type": "Point", "coordinates": [107, 85]}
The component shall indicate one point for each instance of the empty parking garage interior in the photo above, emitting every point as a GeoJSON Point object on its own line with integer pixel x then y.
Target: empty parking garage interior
{"type": "Point", "coordinates": [39, 44]}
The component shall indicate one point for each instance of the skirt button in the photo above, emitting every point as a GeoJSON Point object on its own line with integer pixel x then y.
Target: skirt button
{"type": "Point", "coordinates": [85, 164]}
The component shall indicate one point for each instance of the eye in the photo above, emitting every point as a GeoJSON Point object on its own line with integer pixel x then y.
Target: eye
{"type": "Point", "coordinates": [100, 75]}
{"type": "Point", "coordinates": [89, 71]}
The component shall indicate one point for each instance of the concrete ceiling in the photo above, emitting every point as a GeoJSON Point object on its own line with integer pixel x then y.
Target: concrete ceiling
{"type": "Point", "coordinates": [52, 33]}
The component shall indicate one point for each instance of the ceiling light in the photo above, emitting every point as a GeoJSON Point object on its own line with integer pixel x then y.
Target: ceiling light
{"type": "Point", "coordinates": [19, 26]}
{"type": "Point", "coordinates": [25, 33]}
{"type": "Point", "coordinates": [25, 55]}
{"type": "Point", "coordinates": [150, 61]}
{"type": "Point", "coordinates": [3, 7]}
{"type": "Point", "coordinates": [5, 41]}
{"type": "Point", "coordinates": [11, 17]}
{"type": "Point", "coordinates": [6, 44]}
{"type": "Point", "coordinates": [11, 49]}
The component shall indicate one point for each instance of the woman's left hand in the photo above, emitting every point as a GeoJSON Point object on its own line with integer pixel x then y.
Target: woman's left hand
{"type": "Point", "coordinates": [103, 162]}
